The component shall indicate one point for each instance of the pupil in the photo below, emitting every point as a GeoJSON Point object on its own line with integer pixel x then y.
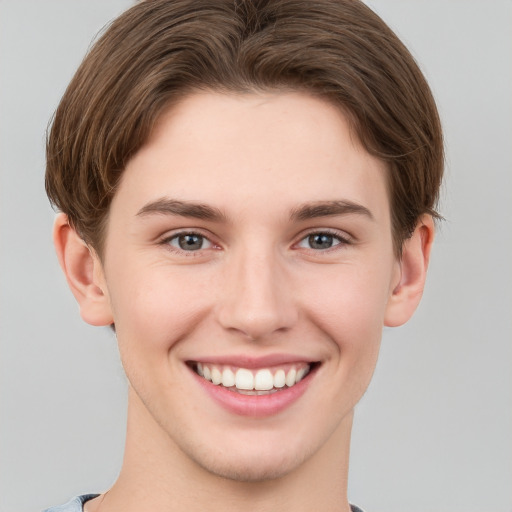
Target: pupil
{"type": "Point", "coordinates": [320, 241]}
{"type": "Point", "coordinates": [190, 242]}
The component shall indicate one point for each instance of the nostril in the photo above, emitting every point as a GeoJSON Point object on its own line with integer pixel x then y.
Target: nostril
{"type": "Point", "coordinates": [257, 323]}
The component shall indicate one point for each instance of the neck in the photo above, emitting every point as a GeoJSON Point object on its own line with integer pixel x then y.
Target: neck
{"type": "Point", "coordinates": [157, 475]}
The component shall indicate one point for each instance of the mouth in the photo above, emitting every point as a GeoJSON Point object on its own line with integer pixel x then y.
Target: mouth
{"type": "Point", "coordinates": [254, 381]}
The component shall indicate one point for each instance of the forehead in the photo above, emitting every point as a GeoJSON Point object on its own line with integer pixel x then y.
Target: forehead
{"type": "Point", "coordinates": [238, 151]}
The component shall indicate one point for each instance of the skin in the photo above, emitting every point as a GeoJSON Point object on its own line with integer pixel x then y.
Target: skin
{"type": "Point", "coordinates": [257, 287]}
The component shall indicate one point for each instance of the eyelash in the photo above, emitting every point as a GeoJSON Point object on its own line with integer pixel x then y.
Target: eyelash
{"type": "Point", "coordinates": [167, 242]}
{"type": "Point", "coordinates": [342, 240]}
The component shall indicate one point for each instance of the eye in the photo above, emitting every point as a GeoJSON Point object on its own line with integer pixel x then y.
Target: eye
{"type": "Point", "coordinates": [189, 242]}
{"type": "Point", "coordinates": [321, 241]}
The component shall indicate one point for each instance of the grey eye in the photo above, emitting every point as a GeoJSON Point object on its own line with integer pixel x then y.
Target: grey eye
{"type": "Point", "coordinates": [320, 241]}
{"type": "Point", "coordinates": [189, 242]}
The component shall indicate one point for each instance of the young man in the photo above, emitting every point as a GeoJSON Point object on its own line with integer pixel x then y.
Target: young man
{"type": "Point", "coordinates": [247, 193]}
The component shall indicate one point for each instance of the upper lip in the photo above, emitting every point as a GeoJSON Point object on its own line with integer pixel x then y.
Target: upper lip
{"type": "Point", "coordinates": [250, 362]}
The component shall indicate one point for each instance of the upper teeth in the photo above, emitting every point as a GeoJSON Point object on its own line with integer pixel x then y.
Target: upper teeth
{"type": "Point", "coordinates": [243, 379]}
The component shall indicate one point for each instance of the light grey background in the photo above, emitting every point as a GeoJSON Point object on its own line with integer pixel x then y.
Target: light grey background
{"type": "Point", "coordinates": [434, 431]}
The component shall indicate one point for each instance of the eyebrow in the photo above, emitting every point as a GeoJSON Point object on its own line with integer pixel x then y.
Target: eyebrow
{"type": "Point", "coordinates": [166, 206]}
{"type": "Point", "coordinates": [329, 208]}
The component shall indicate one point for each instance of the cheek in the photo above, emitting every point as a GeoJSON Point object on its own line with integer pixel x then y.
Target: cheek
{"type": "Point", "coordinates": [351, 308]}
{"type": "Point", "coordinates": [155, 307]}
{"type": "Point", "coordinates": [348, 316]}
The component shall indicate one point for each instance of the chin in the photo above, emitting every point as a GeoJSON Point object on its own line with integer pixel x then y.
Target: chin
{"type": "Point", "coordinates": [250, 472]}
{"type": "Point", "coordinates": [254, 466]}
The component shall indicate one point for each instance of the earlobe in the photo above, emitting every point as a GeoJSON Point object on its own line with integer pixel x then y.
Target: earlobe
{"type": "Point", "coordinates": [407, 293]}
{"type": "Point", "coordinates": [84, 273]}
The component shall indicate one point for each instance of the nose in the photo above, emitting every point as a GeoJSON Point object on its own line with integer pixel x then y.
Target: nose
{"type": "Point", "coordinates": [257, 299]}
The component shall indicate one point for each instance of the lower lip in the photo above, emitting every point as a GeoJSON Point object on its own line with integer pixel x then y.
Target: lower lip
{"type": "Point", "coordinates": [255, 405]}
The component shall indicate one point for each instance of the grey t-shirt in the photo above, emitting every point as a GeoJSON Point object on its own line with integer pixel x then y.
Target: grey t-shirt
{"type": "Point", "coordinates": [77, 505]}
{"type": "Point", "coordinates": [74, 505]}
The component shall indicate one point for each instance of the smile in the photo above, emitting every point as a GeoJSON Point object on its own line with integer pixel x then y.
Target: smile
{"type": "Point", "coordinates": [262, 381]}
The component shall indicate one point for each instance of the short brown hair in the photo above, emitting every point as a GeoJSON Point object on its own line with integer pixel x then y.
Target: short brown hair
{"type": "Point", "coordinates": [161, 50]}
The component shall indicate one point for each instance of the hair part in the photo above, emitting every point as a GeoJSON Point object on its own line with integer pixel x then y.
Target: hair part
{"type": "Point", "coordinates": [159, 51]}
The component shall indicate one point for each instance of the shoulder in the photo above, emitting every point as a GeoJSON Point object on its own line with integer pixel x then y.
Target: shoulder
{"type": "Point", "coordinates": [74, 505]}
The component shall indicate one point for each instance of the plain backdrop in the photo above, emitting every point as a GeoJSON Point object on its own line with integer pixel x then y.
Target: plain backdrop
{"type": "Point", "coordinates": [434, 431]}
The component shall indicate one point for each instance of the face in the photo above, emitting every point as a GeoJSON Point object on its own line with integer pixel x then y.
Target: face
{"type": "Point", "coordinates": [248, 267]}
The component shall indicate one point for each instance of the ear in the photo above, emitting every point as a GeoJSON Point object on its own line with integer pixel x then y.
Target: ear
{"type": "Point", "coordinates": [407, 293]}
{"type": "Point", "coordinates": [84, 273]}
